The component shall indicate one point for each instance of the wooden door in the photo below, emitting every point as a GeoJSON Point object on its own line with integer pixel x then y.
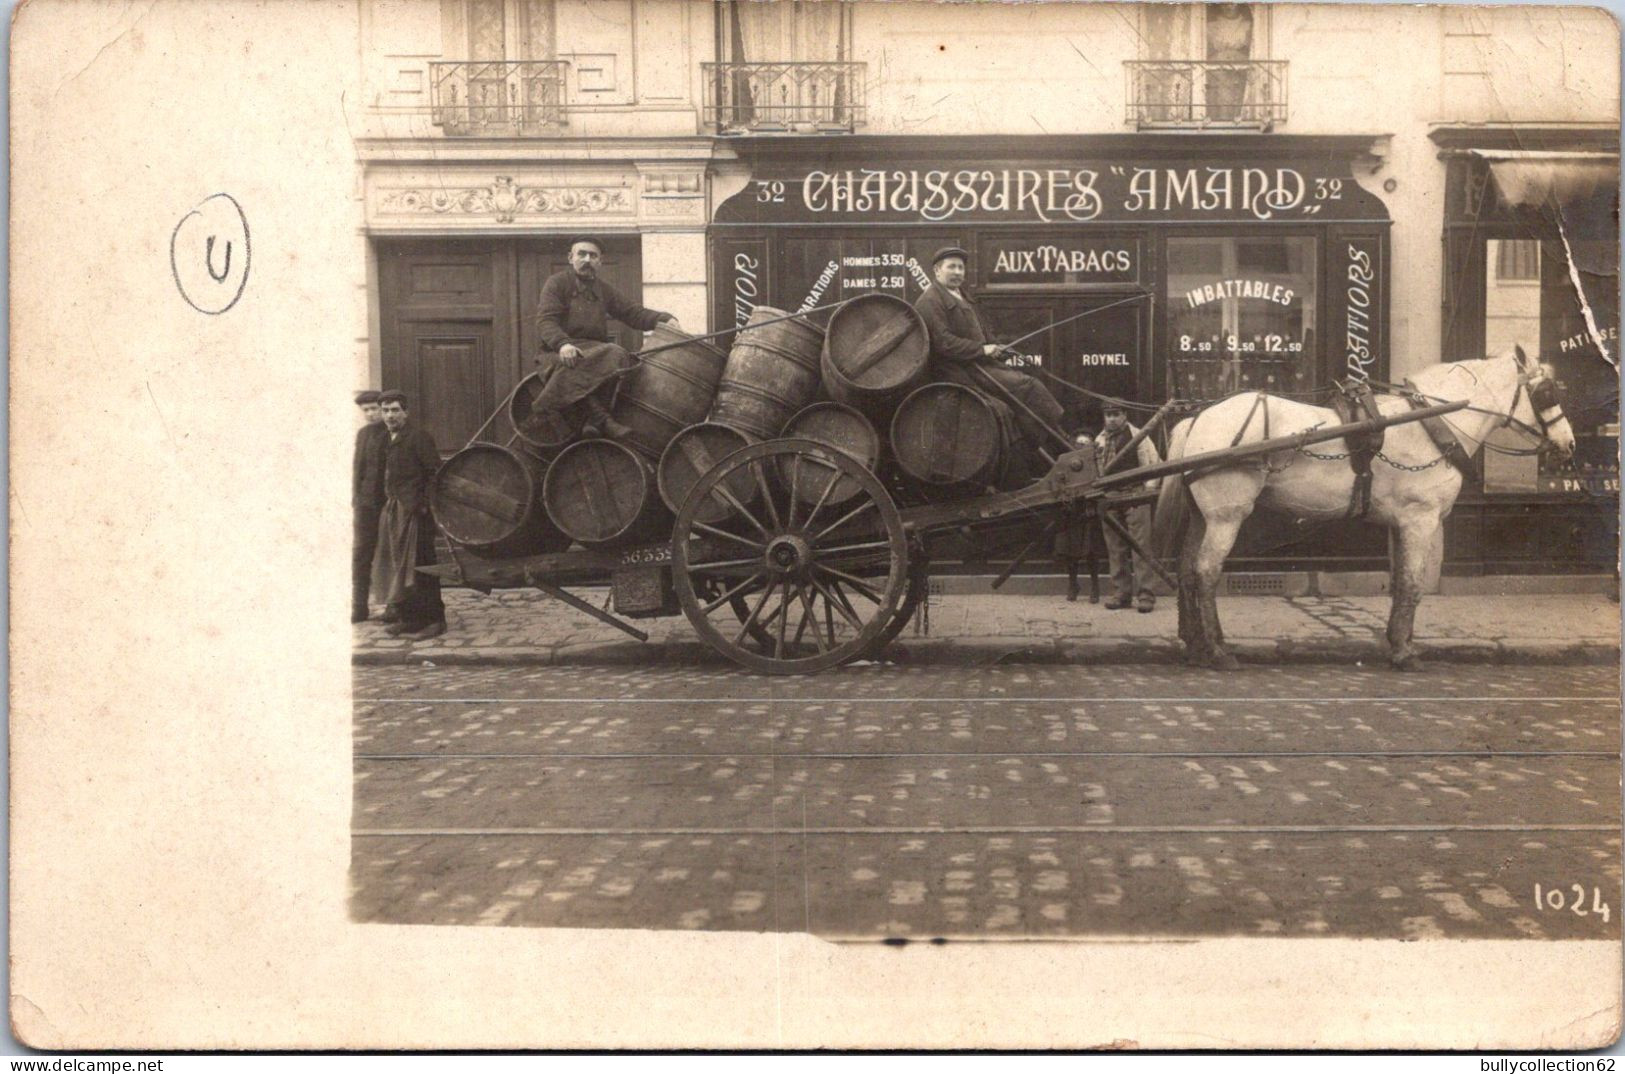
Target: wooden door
{"type": "Point", "coordinates": [448, 367]}
{"type": "Point", "coordinates": [447, 314]}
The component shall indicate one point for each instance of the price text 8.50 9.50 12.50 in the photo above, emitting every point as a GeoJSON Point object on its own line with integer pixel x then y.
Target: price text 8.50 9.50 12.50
{"type": "Point", "coordinates": [1271, 344]}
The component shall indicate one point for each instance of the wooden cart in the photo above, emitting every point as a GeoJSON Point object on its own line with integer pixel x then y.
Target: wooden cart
{"type": "Point", "coordinates": [789, 556]}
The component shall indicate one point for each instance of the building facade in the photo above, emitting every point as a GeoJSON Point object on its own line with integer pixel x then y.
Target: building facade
{"type": "Point", "coordinates": [1234, 195]}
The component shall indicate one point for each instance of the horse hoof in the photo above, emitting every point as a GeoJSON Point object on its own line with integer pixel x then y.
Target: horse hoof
{"type": "Point", "coordinates": [1408, 663]}
{"type": "Point", "coordinates": [1223, 662]}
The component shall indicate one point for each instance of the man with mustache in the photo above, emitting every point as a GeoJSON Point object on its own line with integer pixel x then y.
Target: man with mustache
{"type": "Point", "coordinates": [579, 363]}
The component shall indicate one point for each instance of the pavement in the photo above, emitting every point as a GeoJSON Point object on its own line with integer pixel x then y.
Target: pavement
{"type": "Point", "coordinates": [1045, 802]}
{"type": "Point", "coordinates": [522, 627]}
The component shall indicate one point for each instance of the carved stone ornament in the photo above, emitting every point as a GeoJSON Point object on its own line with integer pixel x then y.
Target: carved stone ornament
{"type": "Point", "coordinates": [672, 183]}
{"type": "Point", "coordinates": [504, 200]}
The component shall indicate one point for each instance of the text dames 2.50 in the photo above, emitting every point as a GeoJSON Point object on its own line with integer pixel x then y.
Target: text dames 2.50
{"type": "Point", "coordinates": [1057, 193]}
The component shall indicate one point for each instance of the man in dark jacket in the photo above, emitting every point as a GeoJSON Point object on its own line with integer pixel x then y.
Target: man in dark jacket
{"type": "Point", "coordinates": [406, 538]}
{"type": "Point", "coordinates": [366, 500]}
{"type": "Point", "coordinates": [579, 363]}
{"type": "Point", "coordinates": [959, 345]}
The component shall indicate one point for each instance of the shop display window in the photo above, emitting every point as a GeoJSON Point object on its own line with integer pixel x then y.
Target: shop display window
{"type": "Point", "coordinates": [1568, 317]}
{"type": "Point", "coordinates": [1241, 315]}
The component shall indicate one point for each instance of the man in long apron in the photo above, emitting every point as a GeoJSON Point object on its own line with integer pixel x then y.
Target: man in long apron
{"type": "Point", "coordinates": [579, 363]}
{"type": "Point", "coordinates": [366, 500]}
{"type": "Point", "coordinates": [406, 537]}
{"type": "Point", "coordinates": [959, 344]}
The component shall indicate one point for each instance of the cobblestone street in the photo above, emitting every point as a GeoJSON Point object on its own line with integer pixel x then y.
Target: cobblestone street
{"type": "Point", "coordinates": [930, 802]}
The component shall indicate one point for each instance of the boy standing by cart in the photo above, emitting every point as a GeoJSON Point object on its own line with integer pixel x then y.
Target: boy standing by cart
{"type": "Point", "coordinates": [1131, 577]}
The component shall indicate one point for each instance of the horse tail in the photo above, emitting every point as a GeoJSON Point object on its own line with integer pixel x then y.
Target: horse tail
{"type": "Point", "coordinates": [1173, 502]}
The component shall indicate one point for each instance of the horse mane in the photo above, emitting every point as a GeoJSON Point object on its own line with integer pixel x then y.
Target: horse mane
{"type": "Point", "coordinates": [1435, 379]}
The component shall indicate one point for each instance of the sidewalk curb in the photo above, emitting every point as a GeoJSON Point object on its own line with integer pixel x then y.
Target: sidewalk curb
{"type": "Point", "coordinates": [983, 652]}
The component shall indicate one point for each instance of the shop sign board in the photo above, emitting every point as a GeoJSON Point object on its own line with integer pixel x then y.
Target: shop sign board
{"type": "Point", "coordinates": [1357, 278]}
{"type": "Point", "coordinates": [1060, 257]}
{"type": "Point", "coordinates": [1053, 193]}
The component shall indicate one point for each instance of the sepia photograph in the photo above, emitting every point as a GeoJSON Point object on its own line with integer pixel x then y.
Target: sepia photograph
{"type": "Point", "coordinates": [842, 471]}
{"type": "Point", "coordinates": [981, 492]}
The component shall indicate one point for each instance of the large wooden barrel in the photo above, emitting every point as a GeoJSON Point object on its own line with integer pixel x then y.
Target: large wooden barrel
{"type": "Point", "coordinates": [668, 391]}
{"type": "Point", "coordinates": [545, 434]}
{"type": "Point", "coordinates": [842, 428]}
{"type": "Point", "coordinates": [488, 499]}
{"type": "Point", "coordinates": [690, 454]}
{"type": "Point", "coordinates": [876, 349]}
{"type": "Point", "coordinates": [603, 494]}
{"type": "Point", "coordinates": [772, 372]}
{"type": "Point", "coordinates": [947, 436]}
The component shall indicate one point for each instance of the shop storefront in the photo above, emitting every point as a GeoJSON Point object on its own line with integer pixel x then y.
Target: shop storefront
{"type": "Point", "coordinates": [459, 250]}
{"type": "Point", "coordinates": [1252, 264]}
{"type": "Point", "coordinates": [1532, 259]}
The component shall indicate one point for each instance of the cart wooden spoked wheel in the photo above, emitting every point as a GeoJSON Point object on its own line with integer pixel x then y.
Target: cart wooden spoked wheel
{"type": "Point", "coordinates": [918, 585]}
{"type": "Point", "coordinates": [819, 555]}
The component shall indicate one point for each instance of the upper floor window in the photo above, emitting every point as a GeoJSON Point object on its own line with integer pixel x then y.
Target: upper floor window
{"type": "Point", "coordinates": [784, 67]}
{"type": "Point", "coordinates": [1206, 65]}
{"type": "Point", "coordinates": [808, 31]}
{"type": "Point", "coordinates": [498, 75]}
{"type": "Point", "coordinates": [497, 29]}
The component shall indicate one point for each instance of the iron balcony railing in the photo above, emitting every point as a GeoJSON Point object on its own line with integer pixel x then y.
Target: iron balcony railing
{"type": "Point", "coordinates": [755, 97]}
{"type": "Point", "coordinates": [497, 96]}
{"type": "Point", "coordinates": [1226, 94]}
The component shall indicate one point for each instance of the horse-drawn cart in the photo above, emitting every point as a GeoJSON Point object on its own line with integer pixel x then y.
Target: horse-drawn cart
{"type": "Point", "coordinates": [790, 555]}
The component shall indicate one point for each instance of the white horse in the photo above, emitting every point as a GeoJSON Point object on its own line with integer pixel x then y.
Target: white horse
{"type": "Point", "coordinates": [1413, 484]}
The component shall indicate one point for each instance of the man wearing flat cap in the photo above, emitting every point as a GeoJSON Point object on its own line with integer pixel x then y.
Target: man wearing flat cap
{"type": "Point", "coordinates": [959, 345]}
{"type": "Point", "coordinates": [406, 530]}
{"type": "Point", "coordinates": [366, 499]}
{"type": "Point", "coordinates": [579, 364]}
{"type": "Point", "coordinates": [1131, 578]}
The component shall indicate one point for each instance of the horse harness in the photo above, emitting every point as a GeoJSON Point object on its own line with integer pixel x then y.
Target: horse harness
{"type": "Point", "coordinates": [1355, 401]}
{"type": "Point", "coordinates": [1439, 430]}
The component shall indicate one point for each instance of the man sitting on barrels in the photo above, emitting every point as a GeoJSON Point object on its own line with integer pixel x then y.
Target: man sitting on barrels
{"type": "Point", "coordinates": [579, 363]}
{"type": "Point", "coordinates": [962, 353]}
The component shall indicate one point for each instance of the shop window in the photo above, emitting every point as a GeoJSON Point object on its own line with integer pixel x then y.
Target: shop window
{"type": "Point", "coordinates": [499, 75]}
{"type": "Point", "coordinates": [1242, 315]}
{"type": "Point", "coordinates": [1534, 300]}
{"type": "Point", "coordinates": [1532, 260]}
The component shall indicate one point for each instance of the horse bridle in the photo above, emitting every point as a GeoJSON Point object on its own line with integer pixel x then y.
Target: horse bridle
{"type": "Point", "coordinates": [1542, 392]}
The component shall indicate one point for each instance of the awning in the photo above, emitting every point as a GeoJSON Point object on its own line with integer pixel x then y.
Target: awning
{"type": "Point", "coordinates": [1531, 178]}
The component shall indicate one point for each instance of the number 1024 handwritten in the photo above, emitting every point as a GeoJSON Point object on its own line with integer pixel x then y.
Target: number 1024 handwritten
{"type": "Point", "coordinates": [1558, 899]}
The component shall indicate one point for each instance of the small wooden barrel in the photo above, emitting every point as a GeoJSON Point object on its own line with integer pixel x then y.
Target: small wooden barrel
{"type": "Point", "coordinates": [947, 436]}
{"type": "Point", "coordinates": [876, 349]}
{"type": "Point", "coordinates": [668, 391]}
{"type": "Point", "coordinates": [772, 372]}
{"type": "Point", "coordinates": [488, 499]}
{"type": "Point", "coordinates": [544, 434]}
{"type": "Point", "coordinates": [690, 454]}
{"type": "Point", "coordinates": [603, 494]}
{"type": "Point", "coordinates": [842, 428]}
